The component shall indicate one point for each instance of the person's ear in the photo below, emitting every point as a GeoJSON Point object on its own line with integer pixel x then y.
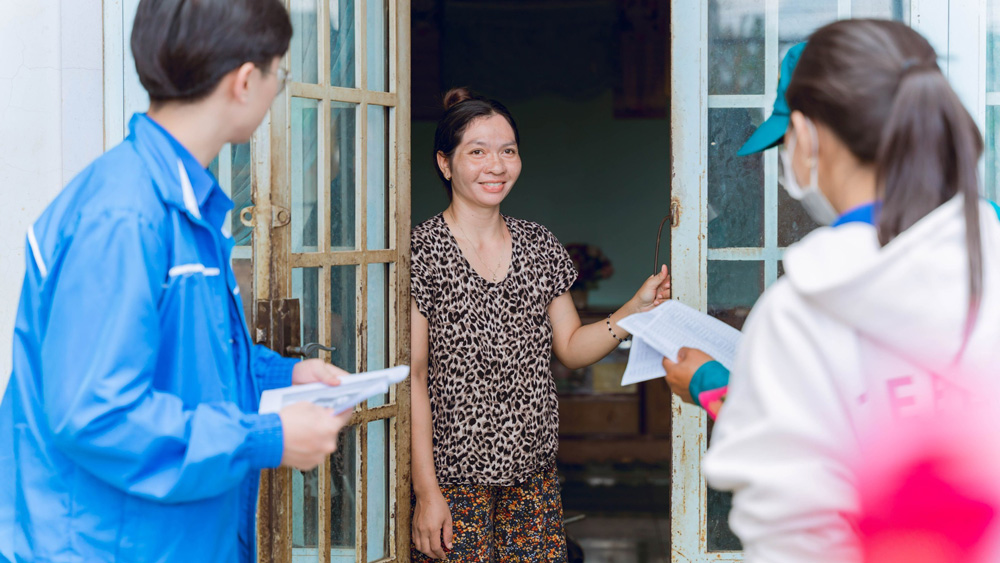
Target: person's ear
{"type": "Point", "coordinates": [799, 126]}
{"type": "Point", "coordinates": [240, 89]}
{"type": "Point", "coordinates": [444, 165]}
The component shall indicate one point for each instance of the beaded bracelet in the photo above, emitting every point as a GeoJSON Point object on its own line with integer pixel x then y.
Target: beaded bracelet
{"type": "Point", "coordinates": [613, 335]}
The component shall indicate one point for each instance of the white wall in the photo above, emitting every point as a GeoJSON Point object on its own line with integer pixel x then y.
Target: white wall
{"type": "Point", "coordinates": [51, 123]}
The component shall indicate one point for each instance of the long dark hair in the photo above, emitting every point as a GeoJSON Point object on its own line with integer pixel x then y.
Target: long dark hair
{"type": "Point", "coordinates": [462, 107]}
{"type": "Point", "coordinates": [877, 85]}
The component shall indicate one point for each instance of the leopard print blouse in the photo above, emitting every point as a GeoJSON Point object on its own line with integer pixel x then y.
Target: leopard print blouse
{"type": "Point", "coordinates": [493, 400]}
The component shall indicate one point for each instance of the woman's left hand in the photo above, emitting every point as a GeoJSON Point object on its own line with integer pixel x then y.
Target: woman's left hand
{"type": "Point", "coordinates": [316, 370]}
{"type": "Point", "coordinates": [655, 290]}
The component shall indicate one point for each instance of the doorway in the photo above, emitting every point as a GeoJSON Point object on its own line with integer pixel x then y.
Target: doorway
{"type": "Point", "coordinates": [586, 81]}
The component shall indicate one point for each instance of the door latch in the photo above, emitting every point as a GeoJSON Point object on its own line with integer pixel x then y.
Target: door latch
{"type": "Point", "coordinates": [308, 349]}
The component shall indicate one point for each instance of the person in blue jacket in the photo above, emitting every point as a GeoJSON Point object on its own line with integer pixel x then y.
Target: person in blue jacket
{"type": "Point", "coordinates": [129, 429]}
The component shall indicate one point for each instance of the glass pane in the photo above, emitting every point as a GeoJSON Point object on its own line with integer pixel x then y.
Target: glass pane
{"type": "Point", "coordinates": [378, 323]}
{"type": "Point", "coordinates": [343, 490]}
{"type": "Point", "coordinates": [243, 269]}
{"type": "Point", "coordinates": [992, 183]}
{"type": "Point", "coordinates": [378, 177]}
{"type": "Point", "coordinates": [342, 43]}
{"type": "Point", "coordinates": [793, 221]}
{"type": "Point", "coordinates": [378, 44]}
{"type": "Point", "coordinates": [305, 174]}
{"type": "Point", "coordinates": [305, 288]}
{"type": "Point", "coordinates": [378, 489]}
{"type": "Point", "coordinates": [993, 46]}
{"type": "Point", "coordinates": [343, 181]}
{"type": "Point", "coordinates": [231, 168]}
{"type": "Point", "coordinates": [242, 192]}
{"type": "Point", "coordinates": [735, 183]}
{"type": "Point", "coordinates": [799, 18]}
{"type": "Point", "coordinates": [898, 10]}
{"type": "Point", "coordinates": [720, 537]}
{"type": "Point", "coordinates": [736, 47]}
{"type": "Point", "coordinates": [213, 167]}
{"type": "Point", "coordinates": [733, 288]}
{"type": "Point", "coordinates": [992, 153]}
{"type": "Point", "coordinates": [305, 511]}
{"type": "Point", "coordinates": [344, 318]}
{"type": "Point", "coordinates": [303, 52]}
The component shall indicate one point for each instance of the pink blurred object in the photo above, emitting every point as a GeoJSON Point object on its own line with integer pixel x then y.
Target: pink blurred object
{"type": "Point", "coordinates": [712, 400]}
{"type": "Point", "coordinates": [928, 493]}
{"type": "Point", "coordinates": [926, 519]}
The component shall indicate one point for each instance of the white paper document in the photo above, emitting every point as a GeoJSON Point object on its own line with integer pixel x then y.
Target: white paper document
{"type": "Point", "coordinates": [352, 390]}
{"type": "Point", "coordinates": [665, 330]}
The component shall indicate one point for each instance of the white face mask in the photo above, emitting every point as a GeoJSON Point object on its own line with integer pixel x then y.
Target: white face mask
{"type": "Point", "coordinates": [811, 197]}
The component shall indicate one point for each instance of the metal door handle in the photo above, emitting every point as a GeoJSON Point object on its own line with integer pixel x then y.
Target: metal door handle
{"type": "Point", "coordinates": [308, 349]}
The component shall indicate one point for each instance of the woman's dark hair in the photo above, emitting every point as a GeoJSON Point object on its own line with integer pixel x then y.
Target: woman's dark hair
{"type": "Point", "coordinates": [462, 107]}
{"type": "Point", "coordinates": [183, 48]}
{"type": "Point", "coordinates": [876, 84]}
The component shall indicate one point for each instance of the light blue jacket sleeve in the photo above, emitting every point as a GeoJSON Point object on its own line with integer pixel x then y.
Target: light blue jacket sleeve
{"type": "Point", "coordinates": [98, 358]}
{"type": "Point", "coordinates": [271, 368]}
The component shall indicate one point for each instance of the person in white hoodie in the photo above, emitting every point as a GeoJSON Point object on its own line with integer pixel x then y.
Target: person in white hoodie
{"type": "Point", "coordinates": [891, 315]}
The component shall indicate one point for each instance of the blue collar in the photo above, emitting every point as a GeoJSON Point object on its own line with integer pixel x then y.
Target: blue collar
{"type": "Point", "coordinates": [162, 153]}
{"type": "Point", "coordinates": [864, 213]}
{"type": "Point", "coordinates": [201, 179]}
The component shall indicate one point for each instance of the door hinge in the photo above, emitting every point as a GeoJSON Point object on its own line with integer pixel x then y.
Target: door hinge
{"type": "Point", "coordinates": [280, 216]}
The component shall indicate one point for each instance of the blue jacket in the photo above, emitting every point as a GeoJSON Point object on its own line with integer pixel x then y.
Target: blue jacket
{"type": "Point", "coordinates": [128, 430]}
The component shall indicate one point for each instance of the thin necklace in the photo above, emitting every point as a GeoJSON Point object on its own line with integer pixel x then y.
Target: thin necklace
{"type": "Point", "coordinates": [493, 272]}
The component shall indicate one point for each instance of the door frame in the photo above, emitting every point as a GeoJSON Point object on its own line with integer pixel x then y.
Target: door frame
{"type": "Point", "coordinates": [274, 262]}
{"type": "Point", "coordinates": [946, 23]}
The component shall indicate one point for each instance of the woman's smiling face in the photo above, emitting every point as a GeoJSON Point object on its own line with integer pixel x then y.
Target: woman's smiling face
{"type": "Point", "coordinates": [485, 164]}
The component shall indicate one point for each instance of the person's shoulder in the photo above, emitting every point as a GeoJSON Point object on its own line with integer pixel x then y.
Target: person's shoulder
{"type": "Point", "coordinates": [430, 224]}
{"type": "Point", "coordinates": [115, 185]}
{"type": "Point", "coordinates": [783, 312]}
{"type": "Point", "coordinates": [428, 234]}
{"type": "Point", "coordinates": [531, 230]}
{"type": "Point", "coordinates": [429, 228]}
{"type": "Point", "coordinates": [117, 182]}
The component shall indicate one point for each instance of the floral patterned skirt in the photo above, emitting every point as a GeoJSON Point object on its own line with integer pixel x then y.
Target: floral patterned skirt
{"type": "Point", "coordinates": [517, 524]}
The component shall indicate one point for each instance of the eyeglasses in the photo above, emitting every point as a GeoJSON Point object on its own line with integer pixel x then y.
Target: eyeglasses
{"type": "Point", "coordinates": [283, 78]}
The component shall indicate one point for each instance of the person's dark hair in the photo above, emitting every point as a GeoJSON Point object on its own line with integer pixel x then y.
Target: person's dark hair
{"type": "Point", "coordinates": [877, 85]}
{"type": "Point", "coordinates": [462, 107]}
{"type": "Point", "coordinates": [183, 48]}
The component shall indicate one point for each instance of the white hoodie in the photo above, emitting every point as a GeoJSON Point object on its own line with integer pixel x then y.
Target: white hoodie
{"type": "Point", "coordinates": [853, 333]}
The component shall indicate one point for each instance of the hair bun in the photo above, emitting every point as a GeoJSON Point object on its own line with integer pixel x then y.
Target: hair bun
{"type": "Point", "coordinates": [456, 96]}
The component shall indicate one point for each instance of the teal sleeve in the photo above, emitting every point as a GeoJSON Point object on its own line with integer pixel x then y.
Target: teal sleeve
{"type": "Point", "coordinates": [996, 207]}
{"type": "Point", "coordinates": [711, 375]}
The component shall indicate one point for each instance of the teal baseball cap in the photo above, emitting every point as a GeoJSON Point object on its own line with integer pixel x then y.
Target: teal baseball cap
{"type": "Point", "coordinates": [772, 131]}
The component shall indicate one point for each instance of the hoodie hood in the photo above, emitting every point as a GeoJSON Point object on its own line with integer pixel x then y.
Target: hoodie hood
{"type": "Point", "coordinates": [910, 296]}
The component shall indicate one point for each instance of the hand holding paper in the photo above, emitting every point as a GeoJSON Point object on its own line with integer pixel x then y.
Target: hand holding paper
{"type": "Point", "coordinates": [352, 390]}
{"type": "Point", "coordinates": [665, 329]}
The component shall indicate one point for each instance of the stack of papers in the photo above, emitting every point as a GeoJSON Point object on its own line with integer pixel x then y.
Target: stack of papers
{"type": "Point", "coordinates": [353, 389]}
{"type": "Point", "coordinates": [664, 330]}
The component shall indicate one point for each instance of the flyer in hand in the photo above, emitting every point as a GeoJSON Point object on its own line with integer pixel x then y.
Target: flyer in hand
{"type": "Point", "coordinates": [353, 389]}
{"type": "Point", "coordinates": [664, 330]}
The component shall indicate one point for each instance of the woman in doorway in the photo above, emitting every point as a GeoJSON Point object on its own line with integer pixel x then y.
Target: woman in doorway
{"type": "Point", "coordinates": [490, 305]}
{"type": "Point", "coordinates": [890, 316]}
